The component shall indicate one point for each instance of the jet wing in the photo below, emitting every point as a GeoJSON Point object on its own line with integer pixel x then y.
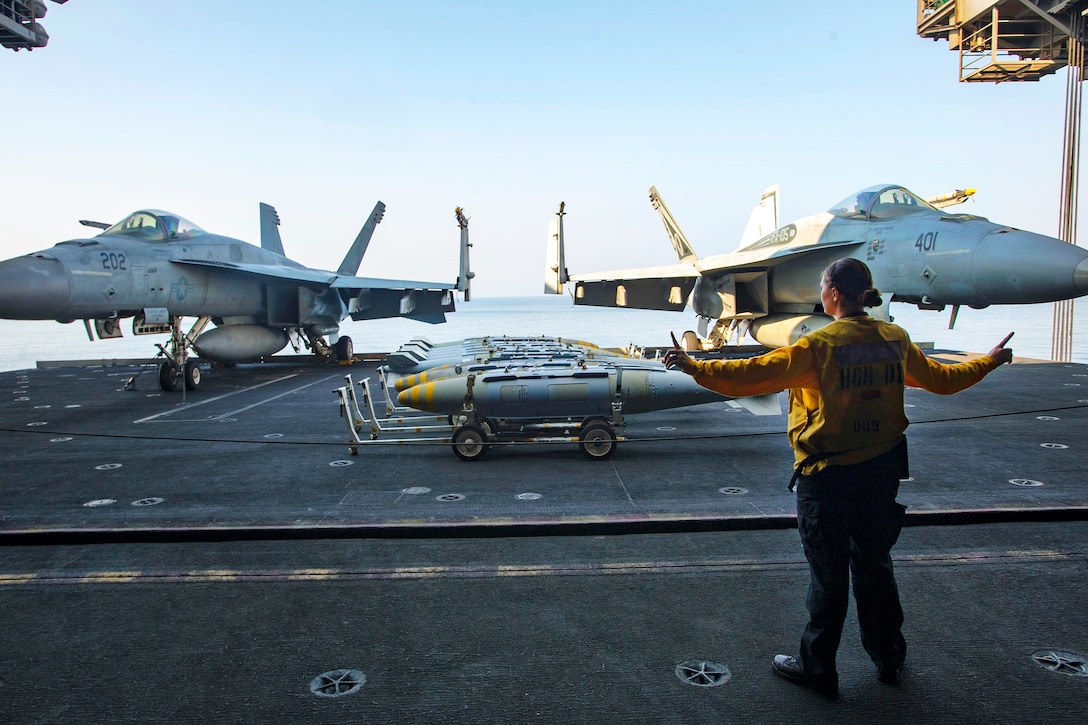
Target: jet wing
{"type": "Point", "coordinates": [375, 299]}
{"type": "Point", "coordinates": [648, 288]}
{"type": "Point", "coordinates": [342, 282]}
{"type": "Point", "coordinates": [668, 287]}
{"type": "Point", "coordinates": [367, 298]}
{"type": "Point", "coordinates": [307, 275]}
{"type": "Point", "coordinates": [304, 275]}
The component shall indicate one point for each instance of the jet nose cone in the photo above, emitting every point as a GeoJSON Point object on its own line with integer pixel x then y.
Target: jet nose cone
{"type": "Point", "coordinates": [33, 288]}
{"type": "Point", "coordinates": [1018, 267]}
{"type": "Point", "coordinates": [1080, 277]}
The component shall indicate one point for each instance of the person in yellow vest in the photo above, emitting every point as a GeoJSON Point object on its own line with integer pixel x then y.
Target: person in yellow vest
{"type": "Point", "coordinates": [846, 426]}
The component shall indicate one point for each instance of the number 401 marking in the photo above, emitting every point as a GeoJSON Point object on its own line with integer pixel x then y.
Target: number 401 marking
{"type": "Point", "coordinates": [927, 242]}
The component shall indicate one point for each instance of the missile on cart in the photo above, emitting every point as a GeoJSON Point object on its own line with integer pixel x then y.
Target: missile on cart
{"type": "Point", "coordinates": [575, 392]}
{"type": "Point", "coordinates": [412, 359]}
{"type": "Point", "coordinates": [550, 364]}
{"type": "Point", "coordinates": [409, 360]}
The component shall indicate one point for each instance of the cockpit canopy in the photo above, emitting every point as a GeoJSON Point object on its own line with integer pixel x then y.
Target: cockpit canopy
{"type": "Point", "coordinates": [155, 225]}
{"type": "Point", "coordinates": [880, 202]}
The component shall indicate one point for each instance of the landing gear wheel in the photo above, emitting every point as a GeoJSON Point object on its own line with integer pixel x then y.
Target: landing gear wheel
{"type": "Point", "coordinates": [192, 375]}
{"type": "Point", "coordinates": [690, 342]}
{"type": "Point", "coordinates": [597, 441]}
{"type": "Point", "coordinates": [469, 442]}
{"type": "Point", "coordinates": [344, 348]}
{"type": "Point", "coordinates": [168, 377]}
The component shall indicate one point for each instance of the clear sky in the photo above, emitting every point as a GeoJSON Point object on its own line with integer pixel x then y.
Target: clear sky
{"type": "Point", "coordinates": [505, 108]}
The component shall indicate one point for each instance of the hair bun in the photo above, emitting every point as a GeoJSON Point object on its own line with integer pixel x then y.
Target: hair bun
{"type": "Point", "coordinates": [870, 298]}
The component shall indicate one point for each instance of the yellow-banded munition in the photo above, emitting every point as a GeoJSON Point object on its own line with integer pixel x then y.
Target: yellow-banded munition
{"type": "Point", "coordinates": [574, 391]}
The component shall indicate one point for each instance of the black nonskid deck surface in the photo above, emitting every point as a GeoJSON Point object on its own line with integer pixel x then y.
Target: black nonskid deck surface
{"type": "Point", "coordinates": [264, 447]}
{"type": "Point", "coordinates": [206, 558]}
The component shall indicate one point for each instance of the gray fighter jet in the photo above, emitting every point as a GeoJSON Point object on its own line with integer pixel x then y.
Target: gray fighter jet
{"type": "Point", "coordinates": [158, 268]}
{"type": "Point", "coordinates": [769, 286]}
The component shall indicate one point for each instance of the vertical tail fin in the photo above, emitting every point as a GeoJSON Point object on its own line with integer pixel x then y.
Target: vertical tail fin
{"type": "Point", "coordinates": [354, 257]}
{"type": "Point", "coordinates": [464, 274]}
{"type": "Point", "coordinates": [764, 218]}
{"type": "Point", "coordinates": [270, 233]}
{"type": "Point", "coordinates": [555, 266]}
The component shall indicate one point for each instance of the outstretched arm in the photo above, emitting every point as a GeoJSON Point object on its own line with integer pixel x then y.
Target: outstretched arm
{"type": "Point", "coordinates": [945, 379]}
{"type": "Point", "coordinates": [785, 367]}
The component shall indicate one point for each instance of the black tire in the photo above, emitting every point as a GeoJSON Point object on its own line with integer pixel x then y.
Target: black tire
{"type": "Point", "coordinates": [168, 377]}
{"type": "Point", "coordinates": [597, 441]}
{"type": "Point", "coordinates": [192, 375]}
{"type": "Point", "coordinates": [344, 348]}
{"type": "Point", "coordinates": [469, 442]}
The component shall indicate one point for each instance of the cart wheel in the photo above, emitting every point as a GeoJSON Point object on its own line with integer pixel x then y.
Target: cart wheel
{"type": "Point", "coordinates": [598, 441]}
{"type": "Point", "coordinates": [469, 442]}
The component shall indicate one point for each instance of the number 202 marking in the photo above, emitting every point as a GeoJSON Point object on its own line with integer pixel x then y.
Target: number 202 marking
{"type": "Point", "coordinates": [927, 242]}
{"type": "Point", "coordinates": [111, 260]}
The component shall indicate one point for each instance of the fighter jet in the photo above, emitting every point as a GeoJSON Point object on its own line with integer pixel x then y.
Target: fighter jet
{"type": "Point", "coordinates": [158, 268]}
{"type": "Point", "coordinates": [769, 287]}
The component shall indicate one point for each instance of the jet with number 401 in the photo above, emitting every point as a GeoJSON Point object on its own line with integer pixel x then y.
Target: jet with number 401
{"type": "Point", "coordinates": [769, 287]}
{"type": "Point", "coordinates": [158, 268]}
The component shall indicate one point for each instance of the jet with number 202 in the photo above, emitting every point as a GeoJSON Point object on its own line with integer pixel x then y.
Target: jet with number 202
{"type": "Point", "coordinates": [769, 287]}
{"type": "Point", "coordinates": [158, 268]}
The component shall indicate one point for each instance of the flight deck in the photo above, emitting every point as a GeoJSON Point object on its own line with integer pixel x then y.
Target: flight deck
{"type": "Point", "coordinates": [221, 554]}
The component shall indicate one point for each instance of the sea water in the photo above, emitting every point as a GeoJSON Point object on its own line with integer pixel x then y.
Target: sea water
{"type": "Point", "coordinates": [27, 342]}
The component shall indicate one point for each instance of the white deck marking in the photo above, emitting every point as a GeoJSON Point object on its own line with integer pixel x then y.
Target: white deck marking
{"type": "Point", "coordinates": [154, 418]}
{"type": "Point", "coordinates": [274, 397]}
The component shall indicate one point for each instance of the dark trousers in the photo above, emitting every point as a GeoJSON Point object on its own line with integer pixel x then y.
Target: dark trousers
{"type": "Point", "coordinates": [849, 520]}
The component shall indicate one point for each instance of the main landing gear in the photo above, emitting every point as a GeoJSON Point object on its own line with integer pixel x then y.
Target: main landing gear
{"type": "Point", "coordinates": [178, 368]}
{"type": "Point", "coordinates": [344, 348]}
{"type": "Point", "coordinates": [169, 379]}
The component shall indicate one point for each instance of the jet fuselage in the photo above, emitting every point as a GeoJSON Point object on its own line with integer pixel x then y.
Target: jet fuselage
{"type": "Point", "coordinates": [917, 252]}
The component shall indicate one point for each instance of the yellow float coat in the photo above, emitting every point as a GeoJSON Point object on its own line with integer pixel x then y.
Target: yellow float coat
{"type": "Point", "coordinates": [846, 385]}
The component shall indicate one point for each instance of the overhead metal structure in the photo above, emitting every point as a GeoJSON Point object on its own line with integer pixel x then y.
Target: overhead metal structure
{"type": "Point", "coordinates": [1023, 40]}
{"type": "Point", "coordinates": [19, 26]}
